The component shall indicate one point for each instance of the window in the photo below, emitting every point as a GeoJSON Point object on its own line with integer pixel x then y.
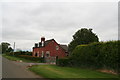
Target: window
{"type": "Point", "coordinates": [57, 47]}
{"type": "Point", "coordinates": [35, 54]}
{"type": "Point", "coordinates": [42, 43]}
{"type": "Point", "coordinates": [52, 41]}
{"type": "Point", "coordinates": [47, 53]}
{"type": "Point", "coordinates": [38, 54]}
{"type": "Point", "coordinates": [42, 54]}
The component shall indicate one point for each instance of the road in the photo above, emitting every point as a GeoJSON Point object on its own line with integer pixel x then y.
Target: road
{"type": "Point", "coordinates": [12, 69]}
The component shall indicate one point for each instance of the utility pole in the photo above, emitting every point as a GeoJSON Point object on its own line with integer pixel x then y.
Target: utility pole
{"type": "Point", "coordinates": [13, 48]}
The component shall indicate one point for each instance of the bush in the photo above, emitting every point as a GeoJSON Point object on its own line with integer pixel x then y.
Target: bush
{"type": "Point", "coordinates": [28, 53]}
{"type": "Point", "coordinates": [99, 55]}
{"type": "Point", "coordinates": [27, 57]}
{"type": "Point", "coordinates": [37, 59]}
{"type": "Point", "coordinates": [22, 53]}
{"type": "Point", "coordinates": [63, 62]}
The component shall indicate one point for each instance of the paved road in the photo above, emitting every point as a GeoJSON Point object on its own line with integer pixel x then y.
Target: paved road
{"type": "Point", "coordinates": [12, 69]}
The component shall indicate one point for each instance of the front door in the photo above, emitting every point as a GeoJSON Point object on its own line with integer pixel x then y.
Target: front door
{"type": "Point", "coordinates": [47, 57]}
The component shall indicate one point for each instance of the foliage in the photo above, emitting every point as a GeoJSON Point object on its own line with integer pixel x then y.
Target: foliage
{"type": "Point", "coordinates": [25, 58]}
{"type": "Point", "coordinates": [0, 49]}
{"type": "Point", "coordinates": [22, 53]}
{"type": "Point", "coordinates": [9, 49]}
{"type": "Point", "coordinates": [6, 47]}
{"type": "Point", "coordinates": [63, 62]}
{"type": "Point", "coordinates": [37, 59]}
{"type": "Point", "coordinates": [82, 36]}
{"type": "Point", "coordinates": [97, 55]}
{"type": "Point", "coordinates": [18, 50]}
{"type": "Point", "coordinates": [15, 58]}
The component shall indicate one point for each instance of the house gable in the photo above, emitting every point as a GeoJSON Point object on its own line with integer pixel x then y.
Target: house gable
{"type": "Point", "coordinates": [50, 46]}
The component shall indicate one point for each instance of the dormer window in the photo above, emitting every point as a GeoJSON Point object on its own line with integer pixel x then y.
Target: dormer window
{"type": "Point", "coordinates": [57, 47]}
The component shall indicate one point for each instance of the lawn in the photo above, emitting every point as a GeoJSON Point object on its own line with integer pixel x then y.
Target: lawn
{"type": "Point", "coordinates": [14, 58]}
{"type": "Point", "coordinates": [53, 71]}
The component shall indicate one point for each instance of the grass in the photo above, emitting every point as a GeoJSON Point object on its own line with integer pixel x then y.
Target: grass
{"type": "Point", "coordinates": [53, 71]}
{"type": "Point", "coordinates": [14, 58]}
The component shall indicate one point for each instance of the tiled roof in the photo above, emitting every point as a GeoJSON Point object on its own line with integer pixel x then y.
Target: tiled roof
{"type": "Point", "coordinates": [48, 41]}
{"type": "Point", "coordinates": [64, 47]}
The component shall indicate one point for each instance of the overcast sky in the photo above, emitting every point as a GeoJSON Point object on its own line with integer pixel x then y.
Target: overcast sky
{"type": "Point", "coordinates": [25, 22]}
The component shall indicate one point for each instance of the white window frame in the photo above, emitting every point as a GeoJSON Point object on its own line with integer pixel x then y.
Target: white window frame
{"type": "Point", "coordinates": [42, 54]}
{"type": "Point", "coordinates": [38, 54]}
{"type": "Point", "coordinates": [42, 43]}
{"type": "Point", "coordinates": [48, 52]}
{"type": "Point", "coordinates": [57, 47]}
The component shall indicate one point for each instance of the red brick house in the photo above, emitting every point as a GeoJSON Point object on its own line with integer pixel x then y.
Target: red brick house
{"type": "Point", "coordinates": [49, 49]}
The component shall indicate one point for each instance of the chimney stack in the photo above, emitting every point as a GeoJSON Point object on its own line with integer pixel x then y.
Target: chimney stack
{"type": "Point", "coordinates": [43, 41]}
{"type": "Point", "coordinates": [36, 45]}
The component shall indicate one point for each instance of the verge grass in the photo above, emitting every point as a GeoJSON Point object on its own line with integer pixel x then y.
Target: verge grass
{"type": "Point", "coordinates": [14, 58]}
{"type": "Point", "coordinates": [53, 71]}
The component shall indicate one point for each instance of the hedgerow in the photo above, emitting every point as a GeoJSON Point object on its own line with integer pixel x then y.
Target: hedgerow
{"type": "Point", "coordinates": [103, 55]}
{"type": "Point", "coordinates": [63, 62]}
{"type": "Point", "coordinates": [26, 56]}
{"type": "Point", "coordinates": [37, 59]}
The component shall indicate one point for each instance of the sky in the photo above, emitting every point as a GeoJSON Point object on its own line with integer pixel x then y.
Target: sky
{"type": "Point", "coordinates": [25, 22]}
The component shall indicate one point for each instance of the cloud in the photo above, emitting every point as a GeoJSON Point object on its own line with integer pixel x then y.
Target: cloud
{"type": "Point", "coordinates": [25, 22]}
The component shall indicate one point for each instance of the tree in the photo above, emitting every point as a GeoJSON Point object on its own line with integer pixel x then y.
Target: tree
{"type": "Point", "coordinates": [10, 49]}
{"type": "Point", "coordinates": [5, 47]}
{"type": "Point", "coordinates": [82, 36]}
{"type": "Point", "coordinates": [0, 49]}
{"type": "Point", "coordinates": [18, 50]}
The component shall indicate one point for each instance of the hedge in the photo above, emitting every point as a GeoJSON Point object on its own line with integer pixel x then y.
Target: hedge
{"type": "Point", "coordinates": [102, 55]}
{"type": "Point", "coordinates": [63, 62]}
{"type": "Point", "coordinates": [27, 57]}
{"type": "Point", "coordinates": [37, 59]}
{"type": "Point", "coordinates": [23, 53]}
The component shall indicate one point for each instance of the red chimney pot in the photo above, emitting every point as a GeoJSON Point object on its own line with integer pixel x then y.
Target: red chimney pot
{"type": "Point", "coordinates": [42, 39]}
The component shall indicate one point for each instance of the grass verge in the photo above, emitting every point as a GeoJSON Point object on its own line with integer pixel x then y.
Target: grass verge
{"type": "Point", "coordinates": [14, 58]}
{"type": "Point", "coordinates": [53, 71]}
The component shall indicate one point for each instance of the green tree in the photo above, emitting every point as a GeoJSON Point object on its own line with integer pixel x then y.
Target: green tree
{"type": "Point", "coordinates": [0, 49]}
{"type": "Point", "coordinates": [18, 50]}
{"type": "Point", "coordinates": [6, 47]}
{"type": "Point", "coordinates": [10, 49]}
{"type": "Point", "coordinates": [82, 36]}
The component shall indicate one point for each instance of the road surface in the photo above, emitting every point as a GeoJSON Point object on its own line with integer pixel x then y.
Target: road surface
{"type": "Point", "coordinates": [12, 69]}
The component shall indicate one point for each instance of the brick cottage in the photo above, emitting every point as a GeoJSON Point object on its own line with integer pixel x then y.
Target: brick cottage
{"type": "Point", "coordinates": [49, 49]}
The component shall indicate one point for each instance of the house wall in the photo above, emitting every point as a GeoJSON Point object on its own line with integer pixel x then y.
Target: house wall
{"type": "Point", "coordinates": [51, 47]}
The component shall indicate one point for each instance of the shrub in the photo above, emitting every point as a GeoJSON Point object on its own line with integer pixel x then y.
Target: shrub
{"type": "Point", "coordinates": [63, 62]}
{"type": "Point", "coordinates": [19, 53]}
{"type": "Point", "coordinates": [27, 57]}
{"type": "Point", "coordinates": [37, 59]}
{"type": "Point", "coordinates": [28, 53]}
{"type": "Point", "coordinates": [95, 55]}
{"type": "Point", "coordinates": [23, 53]}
